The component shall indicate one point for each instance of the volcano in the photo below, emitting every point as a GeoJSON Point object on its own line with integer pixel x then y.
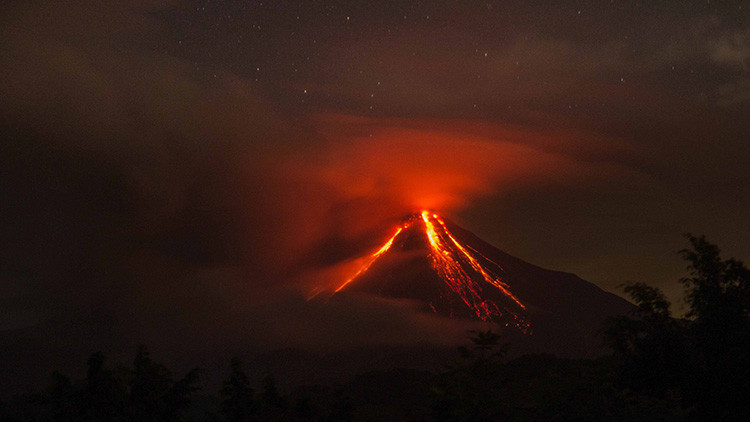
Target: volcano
{"type": "Point", "coordinates": [452, 272]}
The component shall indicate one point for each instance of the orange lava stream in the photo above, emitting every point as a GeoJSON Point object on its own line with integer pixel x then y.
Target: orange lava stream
{"type": "Point", "coordinates": [372, 259]}
{"type": "Point", "coordinates": [451, 260]}
{"type": "Point", "coordinates": [455, 276]}
{"type": "Point", "coordinates": [495, 281]}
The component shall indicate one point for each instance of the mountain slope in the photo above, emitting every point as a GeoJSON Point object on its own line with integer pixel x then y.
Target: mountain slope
{"type": "Point", "coordinates": [454, 273]}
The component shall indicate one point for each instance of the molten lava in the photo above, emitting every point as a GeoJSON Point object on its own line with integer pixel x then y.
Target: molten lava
{"type": "Point", "coordinates": [494, 280]}
{"type": "Point", "coordinates": [372, 259]}
{"type": "Point", "coordinates": [462, 270]}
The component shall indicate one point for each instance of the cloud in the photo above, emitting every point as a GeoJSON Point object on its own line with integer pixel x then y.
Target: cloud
{"type": "Point", "coordinates": [339, 200]}
{"type": "Point", "coordinates": [732, 48]}
{"type": "Point", "coordinates": [146, 198]}
{"type": "Point", "coordinates": [134, 180]}
{"type": "Point", "coordinates": [112, 152]}
{"type": "Point", "coordinates": [226, 310]}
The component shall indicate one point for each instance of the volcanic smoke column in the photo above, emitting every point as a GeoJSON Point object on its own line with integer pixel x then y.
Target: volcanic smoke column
{"type": "Point", "coordinates": [459, 266]}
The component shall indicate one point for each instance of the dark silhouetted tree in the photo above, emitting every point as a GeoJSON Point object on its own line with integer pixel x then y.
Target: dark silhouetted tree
{"type": "Point", "coordinates": [704, 359]}
{"type": "Point", "coordinates": [237, 403]}
{"type": "Point", "coordinates": [147, 392]}
{"type": "Point", "coordinates": [103, 394]}
{"type": "Point", "coordinates": [154, 395]}
{"type": "Point", "coordinates": [650, 343]}
{"type": "Point", "coordinates": [485, 345]}
{"type": "Point", "coordinates": [61, 399]}
{"type": "Point", "coordinates": [718, 293]}
{"type": "Point", "coordinates": [273, 404]}
{"type": "Point", "coordinates": [342, 408]}
{"type": "Point", "coordinates": [468, 391]}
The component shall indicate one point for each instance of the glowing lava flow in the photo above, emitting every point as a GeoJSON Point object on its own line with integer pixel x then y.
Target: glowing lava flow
{"type": "Point", "coordinates": [372, 259]}
{"type": "Point", "coordinates": [453, 263]}
{"type": "Point", "coordinates": [494, 280]}
{"type": "Point", "coordinates": [454, 275]}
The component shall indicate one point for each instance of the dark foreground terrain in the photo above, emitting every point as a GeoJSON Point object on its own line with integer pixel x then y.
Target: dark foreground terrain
{"type": "Point", "coordinates": [662, 368]}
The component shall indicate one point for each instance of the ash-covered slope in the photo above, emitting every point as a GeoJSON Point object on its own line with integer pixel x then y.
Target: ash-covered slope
{"type": "Point", "coordinates": [454, 273]}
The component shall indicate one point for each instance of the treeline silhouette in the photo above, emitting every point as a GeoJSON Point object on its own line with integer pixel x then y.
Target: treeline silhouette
{"type": "Point", "coordinates": [701, 361]}
{"type": "Point", "coordinates": [663, 368]}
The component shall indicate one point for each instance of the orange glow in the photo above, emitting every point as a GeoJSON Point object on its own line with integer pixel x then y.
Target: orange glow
{"type": "Point", "coordinates": [366, 171]}
{"type": "Point", "coordinates": [372, 259]}
{"type": "Point", "coordinates": [494, 280]}
{"type": "Point", "coordinates": [454, 275]}
{"type": "Point", "coordinates": [453, 263]}
{"type": "Point", "coordinates": [425, 163]}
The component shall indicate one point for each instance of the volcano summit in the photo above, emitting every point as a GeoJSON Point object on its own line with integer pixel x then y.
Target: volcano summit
{"type": "Point", "coordinates": [453, 273]}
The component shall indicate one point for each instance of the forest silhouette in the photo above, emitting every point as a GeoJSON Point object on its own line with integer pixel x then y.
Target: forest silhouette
{"type": "Point", "coordinates": [695, 367]}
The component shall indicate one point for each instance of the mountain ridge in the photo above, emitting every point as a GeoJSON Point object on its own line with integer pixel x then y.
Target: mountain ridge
{"type": "Point", "coordinates": [548, 304]}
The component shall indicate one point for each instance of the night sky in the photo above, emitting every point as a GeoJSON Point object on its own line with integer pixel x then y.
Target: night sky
{"type": "Point", "coordinates": [194, 167]}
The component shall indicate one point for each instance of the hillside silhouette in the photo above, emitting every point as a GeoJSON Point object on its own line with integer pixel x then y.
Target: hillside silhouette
{"type": "Point", "coordinates": [661, 368]}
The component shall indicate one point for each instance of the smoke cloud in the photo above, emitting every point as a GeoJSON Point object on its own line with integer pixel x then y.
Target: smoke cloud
{"type": "Point", "coordinates": [144, 198]}
{"type": "Point", "coordinates": [159, 186]}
